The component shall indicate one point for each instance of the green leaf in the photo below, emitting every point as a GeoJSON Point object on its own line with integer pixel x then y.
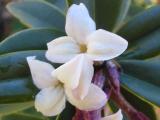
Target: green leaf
{"type": "Point", "coordinates": [7, 109]}
{"type": "Point", "coordinates": [62, 4]}
{"type": "Point", "coordinates": [32, 114]}
{"type": "Point", "coordinates": [142, 89]}
{"type": "Point", "coordinates": [31, 39]}
{"type": "Point", "coordinates": [15, 65]}
{"type": "Point", "coordinates": [28, 114]}
{"type": "Point", "coordinates": [111, 13]}
{"type": "Point", "coordinates": [146, 70]}
{"type": "Point", "coordinates": [16, 90]}
{"type": "Point", "coordinates": [108, 14]}
{"type": "Point", "coordinates": [141, 24]}
{"type": "Point", "coordinates": [145, 47]}
{"type": "Point", "coordinates": [38, 13]}
{"type": "Point", "coordinates": [139, 104]}
{"type": "Point", "coordinates": [134, 9]}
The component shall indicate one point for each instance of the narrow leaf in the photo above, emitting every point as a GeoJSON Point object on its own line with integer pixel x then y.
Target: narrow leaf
{"type": "Point", "coordinates": [31, 39]}
{"type": "Point", "coordinates": [148, 70]}
{"type": "Point", "coordinates": [145, 47]}
{"type": "Point", "coordinates": [16, 90]}
{"type": "Point", "coordinates": [111, 13]}
{"type": "Point", "coordinates": [142, 24]}
{"type": "Point", "coordinates": [7, 109]}
{"type": "Point", "coordinates": [144, 90]}
{"type": "Point", "coordinates": [15, 65]}
{"type": "Point", "coordinates": [38, 13]}
{"type": "Point", "coordinates": [62, 4]}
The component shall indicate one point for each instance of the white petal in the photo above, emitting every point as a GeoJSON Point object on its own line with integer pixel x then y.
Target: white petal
{"type": "Point", "coordinates": [94, 100]}
{"type": "Point", "coordinates": [104, 45]}
{"type": "Point", "coordinates": [76, 74]}
{"type": "Point", "coordinates": [41, 73]}
{"type": "Point", "coordinates": [62, 49]}
{"type": "Point", "coordinates": [85, 79]}
{"type": "Point", "coordinates": [116, 116]}
{"type": "Point", "coordinates": [78, 23]}
{"type": "Point", "coordinates": [50, 101]}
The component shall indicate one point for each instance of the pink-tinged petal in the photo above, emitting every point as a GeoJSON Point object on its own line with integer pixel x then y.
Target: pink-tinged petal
{"type": "Point", "coordinates": [94, 100]}
{"type": "Point", "coordinates": [62, 50]}
{"type": "Point", "coordinates": [76, 74]}
{"type": "Point", "coordinates": [78, 23]}
{"type": "Point", "coordinates": [104, 45]}
{"type": "Point", "coordinates": [41, 73]}
{"type": "Point", "coordinates": [117, 116]}
{"type": "Point", "coordinates": [50, 101]}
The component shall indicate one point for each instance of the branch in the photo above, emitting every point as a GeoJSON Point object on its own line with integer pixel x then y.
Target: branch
{"type": "Point", "coordinates": [114, 83]}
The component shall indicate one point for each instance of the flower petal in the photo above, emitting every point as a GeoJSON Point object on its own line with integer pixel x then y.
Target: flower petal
{"type": "Point", "coordinates": [78, 23]}
{"type": "Point", "coordinates": [62, 49]}
{"type": "Point", "coordinates": [104, 45]}
{"type": "Point", "coordinates": [41, 73]}
{"type": "Point", "coordinates": [76, 74]}
{"type": "Point", "coordinates": [50, 101]}
{"type": "Point", "coordinates": [85, 79]}
{"type": "Point", "coordinates": [94, 100]}
{"type": "Point", "coordinates": [117, 116]}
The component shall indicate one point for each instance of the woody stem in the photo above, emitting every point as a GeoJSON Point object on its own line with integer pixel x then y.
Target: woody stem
{"type": "Point", "coordinates": [113, 77]}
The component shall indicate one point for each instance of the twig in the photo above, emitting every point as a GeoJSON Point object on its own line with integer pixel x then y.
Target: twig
{"type": "Point", "coordinates": [114, 83]}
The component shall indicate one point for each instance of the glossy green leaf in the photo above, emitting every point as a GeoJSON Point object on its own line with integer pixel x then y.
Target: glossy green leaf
{"type": "Point", "coordinates": [32, 114]}
{"type": "Point", "coordinates": [17, 90]}
{"type": "Point", "coordinates": [142, 89]}
{"type": "Point", "coordinates": [27, 114]}
{"type": "Point", "coordinates": [38, 13]}
{"type": "Point", "coordinates": [62, 4]}
{"type": "Point", "coordinates": [31, 39]}
{"type": "Point", "coordinates": [108, 14]}
{"type": "Point", "coordinates": [146, 70]}
{"type": "Point", "coordinates": [6, 109]}
{"type": "Point", "coordinates": [141, 24]}
{"type": "Point", "coordinates": [20, 116]}
{"type": "Point", "coordinates": [145, 47]}
{"type": "Point", "coordinates": [139, 104]}
{"type": "Point", "coordinates": [15, 64]}
{"type": "Point", "coordinates": [134, 9]}
{"type": "Point", "coordinates": [111, 13]}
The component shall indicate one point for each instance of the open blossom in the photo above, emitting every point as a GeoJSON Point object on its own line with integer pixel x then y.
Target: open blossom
{"type": "Point", "coordinates": [83, 37]}
{"type": "Point", "coordinates": [70, 81]}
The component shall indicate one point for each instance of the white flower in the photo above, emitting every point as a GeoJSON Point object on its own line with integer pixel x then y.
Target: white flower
{"type": "Point", "coordinates": [116, 116]}
{"type": "Point", "coordinates": [71, 81]}
{"type": "Point", "coordinates": [83, 37]}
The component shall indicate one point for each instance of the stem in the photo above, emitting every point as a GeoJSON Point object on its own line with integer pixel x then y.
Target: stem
{"type": "Point", "coordinates": [116, 96]}
{"type": "Point", "coordinates": [129, 110]}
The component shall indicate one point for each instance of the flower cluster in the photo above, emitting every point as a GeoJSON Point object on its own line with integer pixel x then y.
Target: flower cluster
{"type": "Point", "coordinates": [72, 81]}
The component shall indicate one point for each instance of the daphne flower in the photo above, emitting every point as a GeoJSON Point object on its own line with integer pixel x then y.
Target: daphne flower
{"type": "Point", "coordinates": [116, 116]}
{"type": "Point", "coordinates": [83, 37]}
{"type": "Point", "coordinates": [68, 82]}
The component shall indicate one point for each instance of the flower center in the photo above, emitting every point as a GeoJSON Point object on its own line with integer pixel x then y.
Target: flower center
{"type": "Point", "coordinates": [83, 48]}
